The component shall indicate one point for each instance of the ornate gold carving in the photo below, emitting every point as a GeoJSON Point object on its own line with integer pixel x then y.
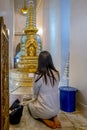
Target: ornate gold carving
{"type": "Point", "coordinates": [31, 47]}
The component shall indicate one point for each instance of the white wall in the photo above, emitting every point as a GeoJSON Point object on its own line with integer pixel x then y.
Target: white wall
{"type": "Point", "coordinates": [78, 50]}
{"type": "Point", "coordinates": [6, 10]}
{"type": "Point", "coordinates": [19, 23]}
{"type": "Point", "coordinates": [39, 17]}
{"type": "Point", "coordinates": [48, 17]}
{"type": "Point", "coordinates": [54, 32]}
{"type": "Point", "coordinates": [64, 33]}
{"type": "Point", "coordinates": [53, 16]}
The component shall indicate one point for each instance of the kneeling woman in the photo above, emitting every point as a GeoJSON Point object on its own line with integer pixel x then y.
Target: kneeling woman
{"type": "Point", "coordinates": [45, 105]}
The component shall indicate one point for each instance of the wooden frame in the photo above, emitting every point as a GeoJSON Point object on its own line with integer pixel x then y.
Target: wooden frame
{"type": "Point", "coordinates": [4, 77]}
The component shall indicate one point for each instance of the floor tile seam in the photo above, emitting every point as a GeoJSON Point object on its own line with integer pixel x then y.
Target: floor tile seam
{"type": "Point", "coordinates": [69, 120]}
{"type": "Point", "coordinates": [73, 122]}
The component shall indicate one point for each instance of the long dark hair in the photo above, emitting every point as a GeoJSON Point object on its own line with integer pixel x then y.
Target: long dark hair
{"type": "Point", "coordinates": [46, 67]}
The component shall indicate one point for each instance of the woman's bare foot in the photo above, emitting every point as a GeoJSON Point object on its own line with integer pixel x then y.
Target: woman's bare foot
{"type": "Point", "coordinates": [57, 122]}
{"type": "Point", "coordinates": [49, 123]}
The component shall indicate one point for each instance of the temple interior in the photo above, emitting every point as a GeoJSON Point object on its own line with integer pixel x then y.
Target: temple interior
{"type": "Point", "coordinates": [60, 27]}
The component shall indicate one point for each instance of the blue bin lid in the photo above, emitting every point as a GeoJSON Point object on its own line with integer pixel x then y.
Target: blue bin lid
{"type": "Point", "coordinates": [67, 88]}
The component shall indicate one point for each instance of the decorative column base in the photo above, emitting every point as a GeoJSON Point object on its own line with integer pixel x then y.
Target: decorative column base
{"type": "Point", "coordinates": [21, 79]}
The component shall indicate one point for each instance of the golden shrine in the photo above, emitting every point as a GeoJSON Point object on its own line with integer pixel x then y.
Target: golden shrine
{"type": "Point", "coordinates": [27, 65]}
{"type": "Point", "coordinates": [28, 62]}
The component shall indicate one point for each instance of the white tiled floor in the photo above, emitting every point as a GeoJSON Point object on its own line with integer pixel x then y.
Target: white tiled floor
{"type": "Point", "coordinates": [69, 121]}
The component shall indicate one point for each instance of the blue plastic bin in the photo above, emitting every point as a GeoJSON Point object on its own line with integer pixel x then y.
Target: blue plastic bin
{"type": "Point", "coordinates": [68, 98]}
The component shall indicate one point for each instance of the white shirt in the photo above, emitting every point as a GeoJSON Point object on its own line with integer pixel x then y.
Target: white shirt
{"type": "Point", "coordinates": [46, 103]}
